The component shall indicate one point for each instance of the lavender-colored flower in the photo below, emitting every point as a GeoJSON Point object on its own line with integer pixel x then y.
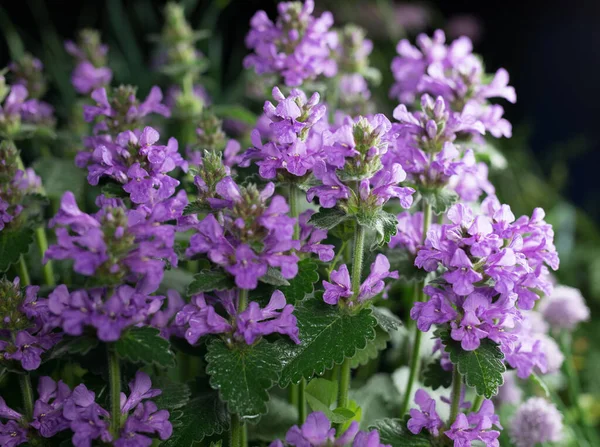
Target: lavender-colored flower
{"type": "Point", "coordinates": [12, 434]}
{"type": "Point", "coordinates": [564, 308]}
{"type": "Point", "coordinates": [28, 71]}
{"type": "Point", "coordinates": [509, 393]}
{"type": "Point", "coordinates": [475, 427]}
{"type": "Point", "coordinates": [437, 310]}
{"type": "Point", "coordinates": [200, 318]}
{"type": "Point", "coordinates": [339, 287]}
{"type": "Point", "coordinates": [297, 46]}
{"type": "Point", "coordinates": [110, 313]}
{"type": "Point", "coordinates": [427, 417]}
{"type": "Point", "coordinates": [86, 77]}
{"type": "Point", "coordinates": [536, 421]}
{"type": "Point", "coordinates": [90, 54]}
{"type": "Point", "coordinates": [48, 417]}
{"type": "Point", "coordinates": [17, 108]}
{"type": "Point", "coordinates": [311, 237]}
{"type": "Point", "coordinates": [87, 419]}
{"type": "Point", "coordinates": [410, 232]}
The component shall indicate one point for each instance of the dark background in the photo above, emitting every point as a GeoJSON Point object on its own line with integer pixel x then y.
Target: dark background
{"type": "Point", "coordinates": [551, 50]}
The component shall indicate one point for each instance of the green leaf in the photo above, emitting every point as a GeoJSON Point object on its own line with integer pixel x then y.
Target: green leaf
{"type": "Point", "coordinates": [235, 112]}
{"type": "Point", "coordinates": [196, 208]}
{"type": "Point", "coordinates": [435, 376]}
{"type": "Point", "coordinates": [209, 280]}
{"type": "Point", "coordinates": [74, 346]}
{"type": "Point", "coordinates": [13, 244]}
{"type": "Point", "coordinates": [274, 278]}
{"type": "Point", "coordinates": [327, 218]}
{"type": "Point", "coordinates": [145, 345]}
{"type": "Point", "coordinates": [371, 351]}
{"type": "Point", "coordinates": [321, 394]}
{"type": "Point", "coordinates": [174, 394]}
{"type": "Point", "coordinates": [113, 189]}
{"type": "Point", "coordinates": [395, 433]}
{"type": "Point", "coordinates": [386, 319]}
{"type": "Point", "coordinates": [303, 283]}
{"type": "Point", "coordinates": [203, 416]}
{"type": "Point", "coordinates": [328, 335]}
{"type": "Point", "coordinates": [386, 226]}
{"type": "Point", "coordinates": [482, 368]}
{"type": "Point", "coordinates": [542, 384]}
{"type": "Point", "coordinates": [60, 175]}
{"type": "Point", "coordinates": [243, 374]}
{"type": "Point", "coordinates": [440, 199]}
{"type": "Point", "coordinates": [281, 416]}
{"type": "Point", "coordinates": [378, 398]}
{"type": "Point", "coordinates": [404, 262]}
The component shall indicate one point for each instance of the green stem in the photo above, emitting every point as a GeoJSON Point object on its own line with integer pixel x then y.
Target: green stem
{"type": "Point", "coordinates": [236, 431]}
{"type": "Point", "coordinates": [114, 378]}
{"type": "Point", "coordinates": [42, 243]}
{"type": "Point", "coordinates": [23, 272]}
{"type": "Point", "coordinates": [244, 440]}
{"type": "Point", "coordinates": [242, 300]}
{"type": "Point", "coordinates": [294, 211]}
{"type": "Point", "coordinates": [455, 396]}
{"type": "Point", "coordinates": [344, 384]}
{"type": "Point", "coordinates": [359, 251]}
{"type": "Point", "coordinates": [477, 403]}
{"type": "Point", "coordinates": [302, 402]}
{"type": "Point", "coordinates": [415, 357]}
{"type": "Point", "coordinates": [27, 393]}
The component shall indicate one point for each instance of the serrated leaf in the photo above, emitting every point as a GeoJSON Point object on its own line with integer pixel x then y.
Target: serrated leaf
{"type": "Point", "coordinates": [378, 398]}
{"type": "Point", "coordinates": [281, 416]}
{"type": "Point", "coordinates": [243, 375]}
{"type": "Point", "coordinates": [371, 351]}
{"type": "Point", "coordinates": [440, 199]}
{"type": "Point", "coordinates": [209, 280]}
{"type": "Point", "coordinates": [145, 345]}
{"type": "Point", "coordinates": [59, 176]}
{"type": "Point", "coordinates": [274, 277]}
{"type": "Point", "coordinates": [328, 335]}
{"type": "Point", "coordinates": [303, 283]}
{"type": "Point", "coordinates": [404, 262]}
{"type": "Point", "coordinates": [386, 226]}
{"type": "Point", "coordinates": [196, 207]}
{"type": "Point", "coordinates": [327, 218]}
{"type": "Point", "coordinates": [435, 376]}
{"type": "Point", "coordinates": [174, 394]}
{"type": "Point", "coordinates": [13, 244]}
{"type": "Point", "coordinates": [386, 319]}
{"type": "Point", "coordinates": [395, 433]}
{"type": "Point", "coordinates": [203, 416]}
{"type": "Point", "coordinates": [482, 368]}
{"type": "Point", "coordinates": [73, 346]}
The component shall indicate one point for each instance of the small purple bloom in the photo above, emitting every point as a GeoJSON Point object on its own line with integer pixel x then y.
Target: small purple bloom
{"type": "Point", "coordinates": [427, 417]}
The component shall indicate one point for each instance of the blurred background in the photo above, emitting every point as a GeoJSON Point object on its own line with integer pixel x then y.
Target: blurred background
{"type": "Point", "coordinates": [549, 48]}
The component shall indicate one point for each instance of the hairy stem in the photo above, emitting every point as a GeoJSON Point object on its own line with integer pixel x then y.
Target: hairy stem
{"type": "Point", "coordinates": [114, 378]}
{"type": "Point", "coordinates": [242, 300]}
{"type": "Point", "coordinates": [455, 396]}
{"type": "Point", "coordinates": [415, 357]}
{"type": "Point", "coordinates": [27, 394]}
{"type": "Point", "coordinates": [236, 431]}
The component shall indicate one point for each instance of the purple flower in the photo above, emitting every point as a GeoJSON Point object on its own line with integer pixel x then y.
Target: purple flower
{"type": "Point", "coordinates": [373, 285]}
{"type": "Point", "coordinates": [410, 232]}
{"type": "Point", "coordinates": [463, 434]}
{"type": "Point", "coordinates": [536, 421]}
{"type": "Point", "coordinates": [565, 308]}
{"type": "Point", "coordinates": [12, 434]}
{"type": "Point", "coordinates": [297, 47]}
{"type": "Point", "coordinates": [87, 419]}
{"type": "Point", "coordinates": [427, 417]}
{"type": "Point", "coordinates": [339, 287]}
{"type": "Point", "coordinates": [48, 416]}
{"type": "Point", "coordinates": [200, 318]}
{"type": "Point", "coordinates": [311, 237]}
{"type": "Point", "coordinates": [8, 413]}
{"type": "Point", "coordinates": [463, 277]}
{"type": "Point", "coordinates": [86, 77]}
{"type": "Point", "coordinates": [468, 331]}
{"type": "Point", "coordinates": [437, 310]}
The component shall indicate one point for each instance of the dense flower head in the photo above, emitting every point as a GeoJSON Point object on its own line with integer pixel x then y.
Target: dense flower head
{"type": "Point", "coordinates": [298, 46]}
{"type": "Point", "coordinates": [201, 317]}
{"type": "Point", "coordinates": [317, 431]}
{"type": "Point", "coordinates": [122, 110]}
{"type": "Point", "coordinates": [12, 432]}
{"type": "Point", "coordinates": [564, 308]}
{"type": "Point", "coordinates": [17, 109]}
{"type": "Point", "coordinates": [253, 233]}
{"type": "Point", "coordinates": [26, 329]}
{"type": "Point", "coordinates": [90, 72]}
{"type": "Point", "coordinates": [495, 266]}
{"type": "Point", "coordinates": [340, 287]}
{"type": "Point", "coordinates": [536, 421]}
{"type": "Point", "coordinates": [293, 149]}
{"type": "Point", "coordinates": [117, 243]}
{"type": "Point", "coordinates": [135, 160]}
{"type": "Point", "coordinates": [454, 73]}
{"type": "Point", "coordinates": [108, 311]}
{"type": "Point", "coordinates": [28, 71]}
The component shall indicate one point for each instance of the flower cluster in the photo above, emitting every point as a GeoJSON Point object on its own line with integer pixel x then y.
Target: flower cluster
{"type": "Point", "coordinates": [28, 71]}
{"type": "Point", "coordinates": [26, 327]}
{"type": "Point", "coordinates": [134, 160]}
{"type": "Point", "coordinates": [316, 431]}
{"type": "Point", "coordinates": [340, 286]}
{"type": "Point", "coordinates": [252, 233]}
{"type": "Point", "coordinates": [476, 426]}
{"type": "Point", "coordinates": [91, 72]}
{"type": "Point", "coordinates": [117, 244]}
{"type": "Point", "coordinates": [311, 238]}
{"type": "Point", "coordinates": [298, 46]}
{"type": "Point", "coordinates": [536, 421]}
{"type": "Point", "coordinates": [454, 73]}
{"type": "Point", "coordinates": [200, 318]}
{"type": "Point", "coordinates": [17, 109]}
{"type": "Point", "coordinates": [564, 308]}
{"type": "Point", "coordinates": [494, 265]}
{"type": "Point", "coordinates": [293, 150]}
